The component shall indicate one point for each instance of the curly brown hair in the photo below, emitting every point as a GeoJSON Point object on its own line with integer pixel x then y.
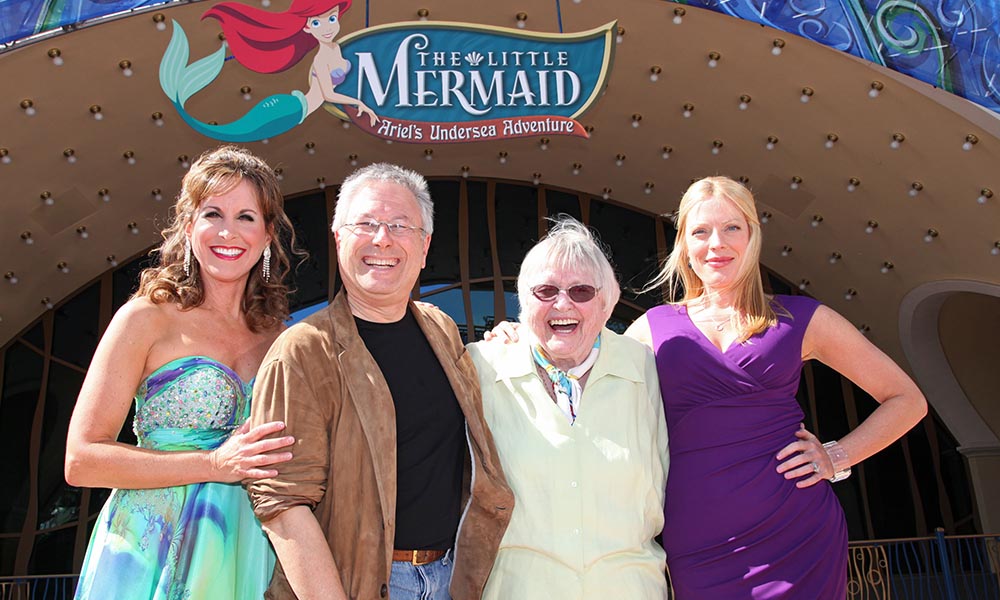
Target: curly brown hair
{"type": "Point", "coordinates": [265, 303]}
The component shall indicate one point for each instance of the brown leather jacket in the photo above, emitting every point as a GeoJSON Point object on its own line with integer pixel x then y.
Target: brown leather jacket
{"type": "Point", "coordinates": [319, 379]}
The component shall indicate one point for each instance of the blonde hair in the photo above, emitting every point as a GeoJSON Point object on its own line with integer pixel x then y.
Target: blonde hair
{"type": "Point", "coordinates": [753, 311]}
{"type": "Point", "coordinates": [265, 303]}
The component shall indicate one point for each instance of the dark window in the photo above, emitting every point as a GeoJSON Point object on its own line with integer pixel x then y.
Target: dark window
{"type": "Point", "coordinates": [557, 203]}
{"type": "Point", "coordinates": [21, 389]}
{"type": "Point", "coordinates": [75, 337]}
{"type": "Point", "coordinates": [442, 258]}
{"type": "Point", "coordinates": [480, 249]}
{"type": "Point", "coordinates": [517, 224]}
{"type": "Point", "coordinates": [309, 278]}
{"type": "Point", "coordinates": [630, 239]}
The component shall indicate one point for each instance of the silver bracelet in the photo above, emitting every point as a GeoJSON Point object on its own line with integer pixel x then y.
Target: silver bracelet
{"type": "Point", "coordinates": [841, 463]}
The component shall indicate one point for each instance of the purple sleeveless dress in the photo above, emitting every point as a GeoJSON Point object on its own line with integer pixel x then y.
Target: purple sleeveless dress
{"type": "Point", "coordinates": [735, 528]}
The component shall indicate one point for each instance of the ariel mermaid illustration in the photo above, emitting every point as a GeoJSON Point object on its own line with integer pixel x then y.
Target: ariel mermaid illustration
{"type": "Point", "coordinates": [265, 42]}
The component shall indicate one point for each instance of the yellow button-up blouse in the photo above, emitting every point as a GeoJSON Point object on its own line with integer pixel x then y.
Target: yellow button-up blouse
{"type": "Point", "coordinates": [589, 496]}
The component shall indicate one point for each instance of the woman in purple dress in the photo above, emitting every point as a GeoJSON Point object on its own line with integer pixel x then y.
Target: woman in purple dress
{"type": "Point", "coordinates": [749, 509]}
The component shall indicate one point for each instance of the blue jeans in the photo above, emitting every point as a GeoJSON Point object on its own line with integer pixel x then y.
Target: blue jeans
{"type": "Point", "coordinates": [424, 582]}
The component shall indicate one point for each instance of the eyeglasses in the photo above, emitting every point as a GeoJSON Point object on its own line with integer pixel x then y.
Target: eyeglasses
{"type": "Point", "coordinates": [370, 228]}
{"type": "Point", "coordinates": [576, 293]}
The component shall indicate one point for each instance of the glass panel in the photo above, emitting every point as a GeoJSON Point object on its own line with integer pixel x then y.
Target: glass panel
{"type": "Point", "coordinates": [622, 317]}
{"type": "Point", "coordinates": [21, 386]}
{"type": "Point", "coordinates": [57, 502]}
{"type": "Point", "coordinates": [442, 258]}
{"type": "Point", "coordinates": [480, 253]}
{"type": "Point", "coordinates": [517, 219]}
{"type": "Point", "coordinates": [631, 238]}
{"type": "Point", "coordinates": [513, 303]}
{"type": "Point", "coordinates": [309, 279]}
{"type": "Point", "coordinates": [954, 473]}
{"type": "Point", "coordinates": [60, 507]}
{"type": "Point", "coordinates": [75, 332]}
{"type": "Point", "coordinates": [889, 495]}
{"type": "Point", "coordinates": [125, 280]}
{"type": "Point", "coordinates": [484, 308]}
{"type": "Point", "coordinates": [829, 403]}
{"type": "Point", "coordinates": [8, 554]}
{"type": "Point", "coordinates": [449, 301]}
{"type": "Point", "coordinates": [98, 497]}
{"type": "Point", "coordinates": [557, 202]}
{"type": "Point", "coordinates": [35, 335]}
{"type": "Point", "coordinates": [848, 492]}
{"type": "Point", "coordinates": [669, 232]}
{"type": "Point", "coordinates": [778, 285]}
{"type": "Point", "coordinates": [53, 552]}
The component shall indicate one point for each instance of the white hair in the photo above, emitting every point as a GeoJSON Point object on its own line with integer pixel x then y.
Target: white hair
{"type": "Point", "coordinates": [570, 245]}
{"type": "Point", "coordinates": [385, 172]}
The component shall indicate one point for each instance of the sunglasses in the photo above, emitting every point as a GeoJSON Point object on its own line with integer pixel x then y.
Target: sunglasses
{"type": "Point", "coordinates": [576, 293]}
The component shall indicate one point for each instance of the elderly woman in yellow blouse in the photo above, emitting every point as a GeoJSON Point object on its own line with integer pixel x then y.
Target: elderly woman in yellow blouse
{"type": "Point", "coordinates": [578, 422]}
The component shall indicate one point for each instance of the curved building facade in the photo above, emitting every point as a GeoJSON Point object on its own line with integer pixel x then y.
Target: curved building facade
{"type": "Point", "coordinates": [868, 134]}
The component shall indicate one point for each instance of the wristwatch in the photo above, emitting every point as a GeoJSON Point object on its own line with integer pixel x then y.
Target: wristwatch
{"type": "Point", "coordinates": [841, 464]}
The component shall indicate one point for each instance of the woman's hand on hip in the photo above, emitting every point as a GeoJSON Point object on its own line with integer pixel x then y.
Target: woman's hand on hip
{"type": "Point", "coordinates": [805, 460]}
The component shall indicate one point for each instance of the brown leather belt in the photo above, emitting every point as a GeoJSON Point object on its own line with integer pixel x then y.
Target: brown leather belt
{"type": "Point", "coordinates": [417, 557]}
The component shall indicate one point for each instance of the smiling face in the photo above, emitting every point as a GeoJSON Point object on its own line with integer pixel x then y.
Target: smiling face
{"type": "Point", "coordinates": [565, 329]}
{"type": "Point", "coordinates": [379, 270]}
{"type": "Point", "coordinates": [716, 235]}
{"type": "Point", "coordinates": [228, 234]}
{"type": "Point", "coordinates": [324, 27]}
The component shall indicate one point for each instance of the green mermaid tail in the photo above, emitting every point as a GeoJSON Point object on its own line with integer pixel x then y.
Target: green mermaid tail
{"type": "Point", "coordinates": [272, 116]}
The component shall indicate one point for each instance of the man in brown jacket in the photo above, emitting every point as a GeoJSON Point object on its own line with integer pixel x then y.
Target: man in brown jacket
{"type": "Point", "coordinates": [385, 408]}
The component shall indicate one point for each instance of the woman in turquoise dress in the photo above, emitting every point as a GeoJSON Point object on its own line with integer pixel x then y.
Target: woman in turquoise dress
{"type": "Point", "coordinates": [178, 525]}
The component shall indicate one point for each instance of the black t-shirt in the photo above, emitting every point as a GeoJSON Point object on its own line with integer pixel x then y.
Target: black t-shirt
{"type": "Point", "coordinates": [430, 434]}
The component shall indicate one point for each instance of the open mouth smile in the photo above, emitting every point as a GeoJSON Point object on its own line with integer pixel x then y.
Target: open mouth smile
{"type": "Point", "coordinates": [227, 252]}
{"type": "Point", "coordinates": [564, 325]}
{"type": "Point", "coordinates": [380, 262]}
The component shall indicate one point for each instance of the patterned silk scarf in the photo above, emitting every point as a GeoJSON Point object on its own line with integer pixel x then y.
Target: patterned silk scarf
{"type": "Point", "coordinates": [566, 384]}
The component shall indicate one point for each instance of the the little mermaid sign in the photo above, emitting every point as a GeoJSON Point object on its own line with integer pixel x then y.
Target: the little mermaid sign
{"type": "Point", "coordinates": [420, 82]}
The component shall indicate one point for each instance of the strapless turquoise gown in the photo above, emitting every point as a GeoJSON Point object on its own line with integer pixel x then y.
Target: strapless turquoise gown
{"type": "Point", "coordinates": [190, 542]}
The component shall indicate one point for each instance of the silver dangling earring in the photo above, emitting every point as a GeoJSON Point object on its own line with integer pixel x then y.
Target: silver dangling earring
{"type": "Point", "coordinates": [187, 258]}
{"type": "Point", "coordinates": [266, 267]}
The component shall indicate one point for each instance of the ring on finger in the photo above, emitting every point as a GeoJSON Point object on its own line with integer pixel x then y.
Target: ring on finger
{"type": "Point", "coordinates": [815, 466]}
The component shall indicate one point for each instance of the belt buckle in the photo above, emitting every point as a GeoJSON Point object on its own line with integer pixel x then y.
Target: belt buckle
{"type": "Point", "coordinates": [416, 561]}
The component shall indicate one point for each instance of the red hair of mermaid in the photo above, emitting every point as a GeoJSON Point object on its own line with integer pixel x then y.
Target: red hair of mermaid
{"type": "Point", "coordinates": [269, 42]}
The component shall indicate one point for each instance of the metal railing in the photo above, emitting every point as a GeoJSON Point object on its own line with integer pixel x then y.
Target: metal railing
{"type": "Point", "coordinates": [932, 568]}
{"type": "Point", "coordinates": [965, 567]}
{"type": "Point", "coordinates": [38, 587]}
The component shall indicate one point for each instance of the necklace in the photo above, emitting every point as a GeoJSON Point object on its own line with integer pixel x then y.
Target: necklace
{"type": "Point", "coordinates": [720, 325]}
{"type": "Point", "coordinates": [717, 323]}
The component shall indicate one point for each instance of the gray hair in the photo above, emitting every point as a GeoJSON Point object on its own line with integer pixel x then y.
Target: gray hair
{"type": "Point", "coordinates": [569, 245]}
{"type": "Point", "coordinates": [388, 173]}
